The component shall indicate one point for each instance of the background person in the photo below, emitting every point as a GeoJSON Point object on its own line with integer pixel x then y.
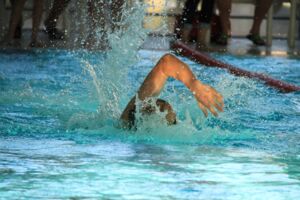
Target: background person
{"type": "Point", "coordinates": [15, 19]}
{"type": "Point", "coordinates": [261, 9]}
{"type": "Point", "coordinates": [203, 24]}
{"type": "Point", "coordinates": [51, 21]}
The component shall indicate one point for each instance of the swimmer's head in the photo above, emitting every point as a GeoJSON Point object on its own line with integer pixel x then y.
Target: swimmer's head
{"type": "Point", "coordinates": [162, 105]}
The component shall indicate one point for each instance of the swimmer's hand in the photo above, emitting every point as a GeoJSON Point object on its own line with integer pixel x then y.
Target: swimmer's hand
{"type": "Point", "coordinates": [208, 98]}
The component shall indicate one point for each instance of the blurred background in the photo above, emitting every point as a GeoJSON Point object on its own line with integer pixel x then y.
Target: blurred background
{"type": "Point", "coordinates": [160, 17]}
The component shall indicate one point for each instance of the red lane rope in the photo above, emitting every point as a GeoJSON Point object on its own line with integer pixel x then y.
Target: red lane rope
{"type": "Point", "coordinates": [204, 59]}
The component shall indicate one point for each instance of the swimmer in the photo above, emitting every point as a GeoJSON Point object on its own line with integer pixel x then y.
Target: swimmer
{"type": "Point", "coordinates": [208, 98]}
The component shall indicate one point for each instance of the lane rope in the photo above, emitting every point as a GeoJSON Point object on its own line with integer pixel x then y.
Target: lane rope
{"type": "Point", "coordinates": [204, 59]}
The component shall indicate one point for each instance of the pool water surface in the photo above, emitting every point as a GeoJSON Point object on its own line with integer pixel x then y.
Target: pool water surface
{"type": "Point", "coordinates": [59, 135]}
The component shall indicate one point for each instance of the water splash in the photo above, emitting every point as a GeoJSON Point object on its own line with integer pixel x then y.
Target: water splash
{"type": "Point", "coordinates": [110, 76]}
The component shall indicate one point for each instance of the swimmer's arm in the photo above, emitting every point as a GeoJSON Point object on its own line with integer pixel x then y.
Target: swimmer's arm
{"type": "Point", "coordinates": [125, 115]}
{"type": "Point", "coordinates": [170, 66]}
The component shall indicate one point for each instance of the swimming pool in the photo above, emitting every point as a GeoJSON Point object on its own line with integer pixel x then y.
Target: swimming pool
{"type": "Point", "coordinates": [57, 143]}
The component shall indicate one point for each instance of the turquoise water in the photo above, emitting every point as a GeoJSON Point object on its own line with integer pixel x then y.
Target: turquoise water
{"type": "Point", "coordinates": [59, 137]}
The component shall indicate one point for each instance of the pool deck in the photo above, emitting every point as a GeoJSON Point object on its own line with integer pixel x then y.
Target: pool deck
{"type": "Point", "coordinates": [236, 46]}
